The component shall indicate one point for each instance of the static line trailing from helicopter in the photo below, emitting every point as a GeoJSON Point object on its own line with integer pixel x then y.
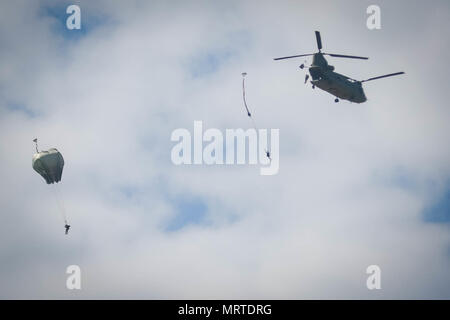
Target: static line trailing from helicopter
{"type": "Point", "coordinates": [324, 77]}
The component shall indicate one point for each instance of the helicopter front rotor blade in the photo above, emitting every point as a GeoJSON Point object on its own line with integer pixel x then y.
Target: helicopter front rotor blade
{"type": "Point", "coordinates": [383, 76]}
{"type": "Point", "coordinates": [319, 40]}
{"type": "Point", "coordinates": [300, 55]}
{"type": "Point", "coordinates": [345, 56]}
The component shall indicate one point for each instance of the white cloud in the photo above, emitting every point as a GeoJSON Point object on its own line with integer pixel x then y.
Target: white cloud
{"type": "Point", "coordinates": [110, 101]}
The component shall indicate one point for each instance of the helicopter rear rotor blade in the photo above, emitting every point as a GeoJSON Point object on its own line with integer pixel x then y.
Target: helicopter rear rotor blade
{"type": "Point", "coordinates": [300, 55]}
{"type": "Point", "coordinates": [383, 76]}
{"type": "Point", "coordinates": [319, 40]}
{"type": "Point", "coordinates": [345, 56]}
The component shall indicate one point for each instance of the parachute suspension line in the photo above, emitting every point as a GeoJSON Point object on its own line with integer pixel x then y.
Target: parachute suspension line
{"type": "Point", "coordinates": [249, 114]}
{"type": "Point", "coordinates": [35, 141]}
{"type": "Point", "coordinates": [60, 202]}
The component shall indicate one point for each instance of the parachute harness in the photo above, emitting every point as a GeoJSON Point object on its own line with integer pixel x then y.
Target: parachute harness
{"type": "Point", "coordinates": [249, 113]}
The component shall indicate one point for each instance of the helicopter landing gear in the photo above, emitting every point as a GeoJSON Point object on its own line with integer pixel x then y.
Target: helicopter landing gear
{"type": "Point", "coordinates": [336, 100]}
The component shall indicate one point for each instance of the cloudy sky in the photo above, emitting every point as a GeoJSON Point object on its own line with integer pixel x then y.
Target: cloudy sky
{"type": "Point", "coordinates": [359, 184]}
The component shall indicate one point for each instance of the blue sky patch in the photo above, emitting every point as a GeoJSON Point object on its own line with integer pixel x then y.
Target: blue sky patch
{"type": "Point", "coordinates": [208, 63]}
{"type": "Point", "coordinates": [17, 107]}
{"type": "Point", "coordinates": [402, 178]}
{"type": "Point", "coordinates": [439, 210]}
{"type": "Point", "coordinates": [188, 211]}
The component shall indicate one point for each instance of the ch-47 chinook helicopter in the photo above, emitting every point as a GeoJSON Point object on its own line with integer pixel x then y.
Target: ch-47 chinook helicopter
{"type": "Point", "coordinates": [324, 77]}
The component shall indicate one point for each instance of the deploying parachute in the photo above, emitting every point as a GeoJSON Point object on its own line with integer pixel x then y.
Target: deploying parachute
{"type": "Point", "coordinates": [249, 113]}
{"type": "Point", "coordinates": [49, 164]}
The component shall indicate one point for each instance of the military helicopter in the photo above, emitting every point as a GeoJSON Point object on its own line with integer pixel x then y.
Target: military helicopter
{"type": "Point", "coordinates": [324, 77]}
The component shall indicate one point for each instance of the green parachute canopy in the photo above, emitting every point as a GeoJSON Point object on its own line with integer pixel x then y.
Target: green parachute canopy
{"type": "Point", "coordinates": [49, 164]}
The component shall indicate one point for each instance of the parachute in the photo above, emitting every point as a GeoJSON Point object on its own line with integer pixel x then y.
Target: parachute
{"type": "Point", "coordinates": [49, 164]}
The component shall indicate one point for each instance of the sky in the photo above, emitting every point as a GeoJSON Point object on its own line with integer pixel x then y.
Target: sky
{"type": "Point", "coordinates": [358, 184]}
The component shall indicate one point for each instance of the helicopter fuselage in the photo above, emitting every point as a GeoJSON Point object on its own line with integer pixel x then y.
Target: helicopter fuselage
{"type": "Point", "coordinates": [324, 77]}
{"type": "Point", "coordinates": [340, 86]}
